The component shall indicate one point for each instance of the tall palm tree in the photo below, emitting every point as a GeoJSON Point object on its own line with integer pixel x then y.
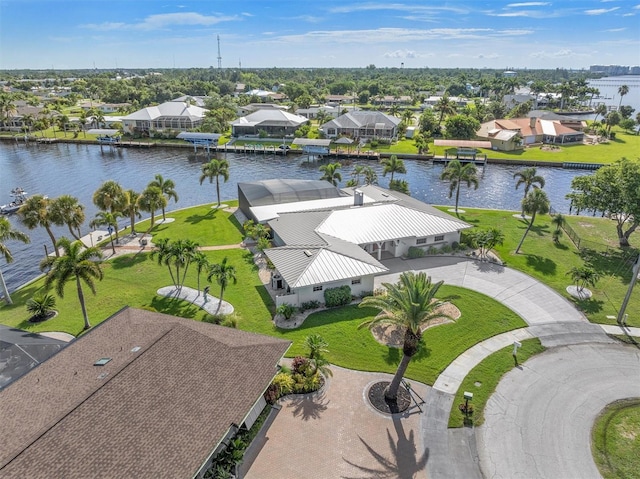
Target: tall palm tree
{"type": "Point", "coordinates": [110, 197]}
{"type": "Point", "coordinates": [622, 91]}
{"type": "Point", "coordinates": [422, 144]}
{"type": "Point", "coordinates": [456, 174]}
{"type": "Point", "coordinates": [370, 176]}
{"type": "Point", "coordinates": [535, 202]}
{"type": "Point", "coordinates": [393, 165]}
{"type": "Point", "coordinates": [407, 116]}
{"type": "Point", "coordinates": [77, 263]}
{"type": "Point", "coordinates": [152, 200]}
{"type": "Point", "coordinates": [168, 188]}
{"type": "Point", "coordinates": [201, 263]}
{"type": "Point", "coordinates": [317, 347]}
{"type": "Point", "coordinates": [357, 171]}
{"type": "Point", "coordinates": [528, 178]}
{"type": "Point", "coordinates": [601, 109]}
{"type": "Point", "coordinates": [215, 169]}
{"type": "Point", "coordinates": [410, 304]}
{"type": "Point", "coordinates": [223, 273]}
{"type": "Point", "coordinates": [445, 106]}
{"type": "Point", "coordinates": [132, 207]}
{"type": "Point", "coordinates": [66, 210]}
{"type": "Point", "coordinates": [36, 212]}
{"type": "Point", "coordinates": [8, 233]}
{"type": "Point", "coordinates": [105, 218]}
{"type": "Point", "coordinates": [330, 173]}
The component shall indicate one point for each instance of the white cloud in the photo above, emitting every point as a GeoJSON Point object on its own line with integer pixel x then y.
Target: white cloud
{"type": "Point", "coordinates": [403, 54]}
{"type": "Point", "coordinates": [601, 11]}
{"type": "Point", "coordinates": [564, 53]}
{"type": "Point", "coordinates": [615, 30]}
{"type": "Point", "coordinates": [399, 7]}
{"type": "Point", "coordinates": [162, 21]}
{"type": "Point", "coordinates": [528, 4]}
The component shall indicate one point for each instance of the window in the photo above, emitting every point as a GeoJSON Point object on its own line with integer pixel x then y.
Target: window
{"type": "Point", "coordinates": [317, 288]}
{"type": "Point", "coordinates": [356, 281]}
{"type": "Point", "coordinates": [421, 241]}
{"type": "Point", "coordinates": [438, 238]}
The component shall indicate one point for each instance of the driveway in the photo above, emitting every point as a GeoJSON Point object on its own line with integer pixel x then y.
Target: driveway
{"type": "Point", "coordinates": [337, 434]}
{"type": "Point", "coordinates": [538, 422]}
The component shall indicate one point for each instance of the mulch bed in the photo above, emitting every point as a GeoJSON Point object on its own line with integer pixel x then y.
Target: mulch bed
{"type": "Point", "coordinates": [378, 401]}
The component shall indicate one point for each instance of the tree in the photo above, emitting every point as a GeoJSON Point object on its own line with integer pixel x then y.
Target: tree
{"type": "Point", "coordinates": [611, 120]}
{"type": "Point", "coordinates": [110, 197]}
{"type": "Point", "coordinates": [370, 176]}
{"type": "Point", "coordinates": [613, 190]}
{"type": "Point", "coordinates": [528, 178]}
{"type": "Point", "coordinates": [132, 208]}
{"type": "Point", "coordinates": [36, 212]}
{"type": "Point", "coordinates": [535, 202]}
{"type": "Point", "coordinates": [445, 106]}
{"type": "Point", "coordinates": [331, 173]}
{"type": "Point", "coordinates": [393, 165]}
{"type": "Point", "coordinates": [168, 188]}
{"type": "Point", "coordinates": [317, 347]}
{"type": "Point", "coordinates": [422, 144]}
{"type": "Point", "coordinates": [461, 127]}
{"type": "Point", "coordinates": [202, 264]}
{"type": "Point", "coordinates": [151, 200]}
{"type": "Point", "coordinates": [583, 276]}
{"type": "Point", "coordinates": [223, 273]}
{"type": "Point", "coordinates": [105, 218]}
{"type": "Point", "coordinates": [215, 169]}
{"type": "Point", "coordinates": [601, 109]}
{"type": "Point", "coordinates": [176, 256]}
{"type": "Point", "coordinates": [400, 185]}
{"type": "Point", "coordinates": [8, 233]}
{"type": "Point", "coordinates": [77, 263]}
{"type": "Point", "coordinates": [622, 91]}
{"type": "Point", "coordinates": [410, 304]}
{"type": "Point", "coordinates": [486, 240]}
{"type": "Point", "coordinates": [456, 174]}
{"type": "Point", "coordinates": [66, 210]}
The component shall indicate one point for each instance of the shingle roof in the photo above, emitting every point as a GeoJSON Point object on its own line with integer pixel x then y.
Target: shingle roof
{"type": "Point", "coordinates": [361, 118]}
{"type": "Point", "coordinates": [155, 412]}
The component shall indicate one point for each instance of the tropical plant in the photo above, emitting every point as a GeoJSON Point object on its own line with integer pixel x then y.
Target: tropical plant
{"type": "Point", "coordinates": [317, 347]}
{"type": "Point", "coordinates": [421, 142]}
{"type": "Point", "coordinates": [131, 208]}
{"type": "Point", "coordinates": [400, 185]}
{"type": "Point", "coordinates": [330, 173]}
{"type": "Point", "coordinates": [150, 201]}
{"type": "Point", "coordinates": [286, 310]}
{"type": "Point", "coordinates": [176, 256]}
{"type": "Point", "coordinates": [529, 178]}
{"type": "Point", "coordinates": [583, 276]}
{"type": "Point", "coordinates": [110, 197]}
{"type": "Point", "coordinates": [8, 233]}
{"type": "Point", "coordinates": [357, 171]}
{"type": "Point", "coordinates": [535, 202]}
{"type": "Point", "coordinates": [558, 220]}
{"type": "Point", "coordinates": [486, 240]}
{"type": "Point", "coordinates": [36, 212]}
{"type": "Point", "coordinates": [201, 263]}
{"type": "Point", "coordinates": [393, 165]}
{"type": "Point", "coordinates": [622, 91]}
{"type": "Point", "coordinates": [110, 220]}
{"type": "Point", "coordinates": [445, 106]}
{"type": "Point", "coordinates": [370, 176]}
{"type": "Point", "coordinates": [410, 304]}
{"type": "Point", "coordinates": [224, 273]}
{"type": "Point", "coordinates": [215, 169]}
{"type": "Point", "coordinates": [457, 174]}
{"type": "Point", "coordinates": [41, 306]}
{"type": "Point", "coordinates": [168, 188]}
{"type": "Point", "coordinates": [78, 263]}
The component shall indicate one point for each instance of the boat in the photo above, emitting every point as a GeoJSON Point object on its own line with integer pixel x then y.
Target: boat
{"type": "Point", "coordinates": [19, 197]}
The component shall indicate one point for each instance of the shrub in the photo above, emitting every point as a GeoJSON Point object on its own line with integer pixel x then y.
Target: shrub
{"type": "Point", "coordinates": [307, 305]}
{"type": "Point", "coordinates": [284, 383]}
{"type": "Point", "coordinates": [337, 296]}
{"type": "Point", "coordinates": [300, 365]}
{"type": "Point", "coordinates": [455, 246]}
{"type": "Point", "coordinates": [214, 318]}
{"type": "Point", "coordinates": [415, 252]}
{"type": "Point", "coordinates": [432, 250]}
{"type": "Point", "coordinates": [365, 294]}
{"type": "Point", "coordinates": [286, 310]}
{"type": "Point", "coordinates": [41, 306]}
{"type": "Point", "coordinates": [445, 249]}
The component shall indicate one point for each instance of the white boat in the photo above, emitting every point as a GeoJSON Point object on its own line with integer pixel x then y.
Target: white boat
{"type": "Point", "coordinates": [19, 197]}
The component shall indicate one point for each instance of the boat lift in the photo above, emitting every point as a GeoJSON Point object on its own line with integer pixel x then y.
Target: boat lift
{"type": "Point", "coordinates": [206, 140]}
{"type": "Point", "coordinates": [106, 136]}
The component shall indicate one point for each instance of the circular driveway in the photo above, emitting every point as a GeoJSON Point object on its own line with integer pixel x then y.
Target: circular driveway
{"type": "Point", "coordinates": [538, 422]}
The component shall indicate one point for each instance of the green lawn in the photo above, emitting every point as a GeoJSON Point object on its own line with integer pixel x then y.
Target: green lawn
{"type": "Point", "coordinates": [483, 379]}
{"type": "Point", "coordinates": [615, 440]}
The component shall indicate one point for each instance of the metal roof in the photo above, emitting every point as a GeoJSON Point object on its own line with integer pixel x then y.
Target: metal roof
{"type": "Point", "coordinates": [189, 135]}
{"type": "Point", "coordinates": [463, 143]}
{"type": "Point", "coordinates": [311, 142]}
{"type": "Point", "coordinates": [269, 192]}
{"type": "Point", "coordinates": [269, 212]}
{"type": "Point", "coordinates": [103, 131]}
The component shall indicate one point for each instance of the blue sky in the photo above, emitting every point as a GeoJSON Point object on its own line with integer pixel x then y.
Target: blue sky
{"type": "Point", "coordinates": [67, 34]}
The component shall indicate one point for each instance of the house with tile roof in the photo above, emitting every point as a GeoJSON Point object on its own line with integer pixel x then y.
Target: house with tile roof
{"type": "Point", "coordinates": [143, 394]}
{"type": "Point", "coordinates": [511, 134]}
{"type": "Point", "coordinates": [172, 115]}
{"type": "Point", "coordinates": [362, 124]}
{"type": "Point", "coordinates": [329, 243]}
{"type": "Point", "coordinates": [273, 121]}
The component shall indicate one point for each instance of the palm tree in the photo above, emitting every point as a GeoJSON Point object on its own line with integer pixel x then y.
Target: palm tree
{"type": "Point", "coordinates": [528, 178]}
{"type": "Point", "coordinates": [77, 262]}
{"type": "Point", "coordinates": [357, 171]}
{"type": "Point", "coordinates": [331, 173]}
{"type": "Point", "coordinates": [151, 200]}
{"type": "Point", "coordinates": [202, 264]}
{"type": "Point", "coordinates": [393, 165]}
{"type": "Point", "coordinates": [215, 169]}
{"type": "Point", "coordinates": [445, 106]}
{"type": "Point", "coordinates": [223, 274]}
{"type": "Point", "coordinates": [558, 220]}
{"type": "Point", "coordinates": [168, 188]}
{"type": "Point", "coordinates": [317, 347]}
{"type": "Point", "coordinates": [622, 91]}
{"type": "Point", "coordinates": [105, 218]}
{"type": "Point", "coordinates": [422, 144]}
{"type": "Point", "coordinates": [457, 174]}
{"type": "Point", "coordinates": [583, 277]}
{"type": "Point", "coordinates": [8, 233]}
{"type": "Point", "coordinates": [410, 304]}
{"type": "Point", "coordinates": [110, 197]}
{"type": "Point", "coordinates": [132, 208]}
{"type": "Point", "coordinates": [66, 210]}
{"type": "Point", "coordinates": [370, 176]}
{"type": "Point", "coordinates": [36, 212]}
{"type": "Point", "coordinates": [535, 202]}
{"type": "Point", "coordinates": [601, 109]}
{"type": "Point", "coordinates": [407, 116]}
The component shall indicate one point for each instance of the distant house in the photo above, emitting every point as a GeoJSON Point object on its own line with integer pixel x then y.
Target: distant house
{"type": "Point", "coordinates": [104, 107]}
{"type": "Point", "coordinates": [266, 94]}
{"type": "Point", "coordinates": [312, 111]}
{"type": "Point", "coordinates": [390, 100]}
{"type": "Point", "coordinates": [510, 134]}
{"type": "Point", "coordinates": [253, 107]}
{"type": "Point", "coordinates": [171, 115]}
{"type": "Point", "coordinates": [340, 240]}
{"type": "Point", "coordinates": [433, 100]}
{"type": "Point", "coordinates": [273, 122]}
{"type": "Point", "coordinates": [362, 124]}
{"type": "Point", "coordinates": [141, 395]}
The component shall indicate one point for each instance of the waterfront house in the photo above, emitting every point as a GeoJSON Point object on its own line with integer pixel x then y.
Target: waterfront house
{"type": "Point", "coordinates": [274, 122]}
{"type": "Point", "coordinates": [143, 394]}
{"type": "Point", "coordinates": [171, 115]}
{"type": "Point", "coordinates": [362, 124]}
{"type": "Point", "coordinates": [511, 134]}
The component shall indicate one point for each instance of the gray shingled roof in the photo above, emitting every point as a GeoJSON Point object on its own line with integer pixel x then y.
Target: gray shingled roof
{"type": "Point", "coordinates": [155, 412]}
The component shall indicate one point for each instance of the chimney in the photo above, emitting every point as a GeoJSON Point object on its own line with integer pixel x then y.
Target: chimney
{"type": "Point", "coordinates": [358, 198]}
{"type": "Point", "coordinates": [532, 122]}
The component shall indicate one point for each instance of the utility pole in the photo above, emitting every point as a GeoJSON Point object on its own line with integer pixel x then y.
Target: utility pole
{"type": "Point", "coordinates": [219, 55]}
{"type": "Point", "coordinates": [634, 278]}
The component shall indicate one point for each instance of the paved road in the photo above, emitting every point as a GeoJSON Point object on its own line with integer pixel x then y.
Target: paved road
{"type": "Point", "coordinates": [538, 422]}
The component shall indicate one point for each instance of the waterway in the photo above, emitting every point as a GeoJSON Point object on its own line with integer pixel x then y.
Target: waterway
{"type": "Point", "coordinates": [79, 170]}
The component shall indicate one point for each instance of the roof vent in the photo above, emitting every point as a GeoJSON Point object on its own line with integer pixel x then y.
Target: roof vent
{"type": "Point", "coordinates": [136, 349]}
{"type": "Point", "coordinates": [308, 253]}
{"type": "Point", "coordinates": [102, 361]}
{"type": "Point", "coordinates": [358, 198]}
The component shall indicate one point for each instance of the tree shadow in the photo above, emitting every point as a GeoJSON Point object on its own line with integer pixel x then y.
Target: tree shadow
{"type": "Point", "coordinates": [266, 298]}
{"type": "Point", "coordinates": [126, 261]}
{"type": "Point", "coordinates": [175, 307]}
{"type": "Point", "coordinates": [589, 306]}
{"type": "Point", "coordinates": [309, 406]}
{"type": "Point", "coordinates": [197, 218]}
{"type": "Point", "coordinates": [543, 265]}
{"type": "Point", "coordinates": [561, 246]}
{"type": "Point", "coordinates": [392, 356]}
{"type": "Point", "coordinates": [613, 262]}
{"type": "Point", "coordinates": [403, 462]}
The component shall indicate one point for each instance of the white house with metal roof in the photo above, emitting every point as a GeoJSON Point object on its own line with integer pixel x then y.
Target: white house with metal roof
{"type": "Point", "coordinates": [273, 122]}
{"type": "Point", "coordinates": [331, 243]}
{"type": "Point", "coordinates": [171, 115]}
{"type": "Point", "coordinates": [362, 124]}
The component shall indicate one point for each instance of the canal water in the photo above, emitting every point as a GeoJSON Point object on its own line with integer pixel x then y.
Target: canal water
{"type": "Point", "coordinates": [78, 170]}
